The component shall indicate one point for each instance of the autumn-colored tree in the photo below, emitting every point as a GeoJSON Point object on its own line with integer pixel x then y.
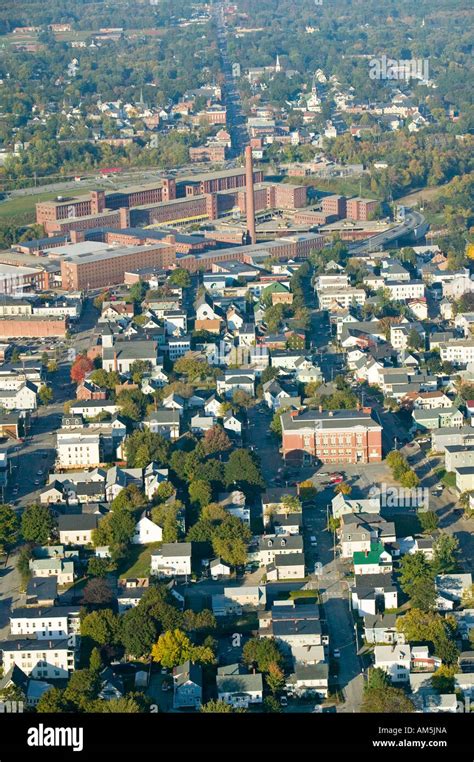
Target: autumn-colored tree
{"type": "Point", "coordinates": [80, 368]}
{"type": "Point", "coordinates": [216, 440]}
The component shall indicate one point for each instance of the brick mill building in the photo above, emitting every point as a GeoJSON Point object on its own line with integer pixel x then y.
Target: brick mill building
{"type": "Point", "coordinates": [334, 436]}
{"type": "Point", "coordinates": [108, 268]}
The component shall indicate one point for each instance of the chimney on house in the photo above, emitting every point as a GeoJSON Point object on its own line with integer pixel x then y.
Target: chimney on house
{"type": "Point", "coordinates": [115, 362]}
{"type": "Point", "coordinates": [250, 194]}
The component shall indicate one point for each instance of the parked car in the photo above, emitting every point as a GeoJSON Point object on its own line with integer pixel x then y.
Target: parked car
{"type": "Point", "coordinates": [313, 540]}
{"type": "Point", "coordinates": [283, 701]}
{"type": "Point", "coordinates": [337, 653]}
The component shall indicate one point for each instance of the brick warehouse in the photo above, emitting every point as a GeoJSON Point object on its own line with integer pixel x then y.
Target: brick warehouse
{"type": "Point", "coordinates": [334, 436]}
{"type": "Point", "coordinates": [107, 268]}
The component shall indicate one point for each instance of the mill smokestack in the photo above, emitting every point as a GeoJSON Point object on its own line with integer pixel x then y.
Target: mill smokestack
{"type": "Point", "coordinates": [249, 194]}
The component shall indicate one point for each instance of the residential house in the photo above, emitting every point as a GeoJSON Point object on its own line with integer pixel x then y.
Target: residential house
{"type": "Point", "coordinates": [373, 593]}
{"type": "Point", "coordinates": [237, 687]}
{"type": "Point", "coordinates": [382, 629]}
{"type": "Point", "coordinates": [146, 531]}
{"type": "Point", "coordinates": [376, 560]}
{"type": "Point", "coordinates": [395, 660]}
{"type": "Point", "coordinates": [187, 686]}
{"type": "Point", "coordinates": [76, 529]}
{"type": "Point", "coordinates": [172, 560]}
{"type": "Point", "coordinates": [235, 600]}
{"type": "Point", "coordinates": [450, 589]}
{"type": "Point", "coordinates": [164, 422]}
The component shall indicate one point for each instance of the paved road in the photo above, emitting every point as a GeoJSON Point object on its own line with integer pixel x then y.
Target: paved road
{"type": "Point", "coordinates": [414, 223]}
{"type": "Point", "coordinates": [236, 122]}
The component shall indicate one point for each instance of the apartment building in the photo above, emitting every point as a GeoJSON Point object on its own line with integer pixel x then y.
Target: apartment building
{"type": "Point", "coordinates": [52, 659]}
{"type": "Point", "coordinates": [401, 290]}
{"type": "Point", "coordinates": [457, 352]}
{"type": "Point", "coordinates": [345, 297]}
{"type": "Point", "coordinates": [44, 622]}
{"type": "Point", "coordinates": [79, 449]}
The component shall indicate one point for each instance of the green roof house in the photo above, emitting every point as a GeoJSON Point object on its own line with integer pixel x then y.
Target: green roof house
{"type": "Point", "coordinates": [377, 560]}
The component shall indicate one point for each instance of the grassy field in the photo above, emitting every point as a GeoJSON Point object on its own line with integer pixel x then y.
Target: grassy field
{"type": "Point", "coordinates": [20, 210]}
{"type": "Point", "coordinates": [137, 563]}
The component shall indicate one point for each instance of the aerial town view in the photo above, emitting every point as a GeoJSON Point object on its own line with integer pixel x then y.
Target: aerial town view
{"type": "Point", "coordinates": [236, 373]}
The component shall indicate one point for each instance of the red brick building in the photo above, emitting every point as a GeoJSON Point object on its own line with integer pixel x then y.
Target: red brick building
{"type": "Point", "coordinates": [32, 326]}
{"type": "Point", "coordinates": [334, 206]}
{"type": "Point", "coordinates": [335, 436]}
{"type": "Point", "coordinates": [107, 268]}
{"type": "Point", "coordinates": [360, 208]}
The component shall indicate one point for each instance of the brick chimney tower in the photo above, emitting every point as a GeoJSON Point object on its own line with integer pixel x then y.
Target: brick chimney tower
{"type": "Point", "coordinates": [250, 196]}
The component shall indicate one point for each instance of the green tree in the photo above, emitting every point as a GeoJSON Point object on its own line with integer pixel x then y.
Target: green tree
{"type": "Point", "coordinates": [386, 700]}
{"type": "Point", "coordinates": [409, 479]}
{"type": "Point", "coordinates": [9, 527]}
{"type": "Point", "coordinates": [129, 498]}
{"type": "Point", "coordinates": [180, 278]}
{"type": "Point", "coordinates": [82, 688]}
{"type": "Point", "coordinates": [429, 521]}
{"type": "Point", "coordinates": [174, 647]}
{"type": "Point", "coordinates": [53, 701]}
{"type": "Point", "coordinates": [271, 705]}
{"type": "Point", "coordinates": [200, 493]}
{"type": "Point", "coordinates": [101, 627]}
{"type": "Point", "coordinates": [122, 705]}
{"type": "Point", "coordinates": [216, 707]}
{"type": "Point", "coordinates": [137, 632]}
{"type": "Point", "coordinates": [413, 567]}
{"type": "Point", "coordinates": [263, 653]}
{"type": "Point", "coordinates": [95, 661]}
{"type": "Point", "coordinates": [445, 549]}
{"type": "Point", "coordinates": [215, 440]}
{"type": "Point", "coordinates": [230, 540]}
{"type": "Point", "coordinates": [143, 447]}
{"type": "Point", "coordinates": [443, 679]}
{"type": "Point", "coordinates": [138, 369]}
{"type": "Point", "coordinates": [377, 679]}
{"type": "Point", "coordinates": [242, 470]}
{"type": "Point", "coordinates": [423, 594]}
{"type": "Point", "coordinates": [37, 524]}
{"type": "Point", "coordinates": [98, 567]}
{"type": "Point", "coordinates": [275, 678]}
{"type": "Point", "coordinates": [45, 395]}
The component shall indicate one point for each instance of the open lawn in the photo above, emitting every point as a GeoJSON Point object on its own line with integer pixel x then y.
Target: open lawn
{"type": "Point", "coordinates": [137, 563]}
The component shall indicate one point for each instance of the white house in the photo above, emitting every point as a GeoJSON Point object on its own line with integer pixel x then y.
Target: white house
{"type": "Point", "coordinates": [43, 623]}
{"type": "Point", "coordinates": [395, 660]}
{"type": "Point", "coordinates": [237, 688]}
{"type": "Point", "coordinates": [53, 567]}
{"type": "Point", "coordinates": [172, 560]}
{"type": "Point", "coordinates": [79, 448]}
{"type": "Point", "coordinates": [22, 398]}
{"type": "Point", "coordinates": [51, 659]}
{"type": "Point", "coordinates": [146, 531]}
